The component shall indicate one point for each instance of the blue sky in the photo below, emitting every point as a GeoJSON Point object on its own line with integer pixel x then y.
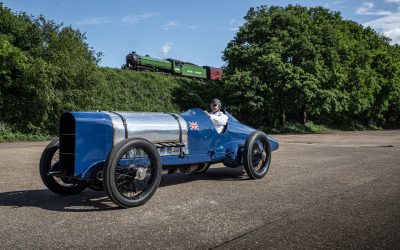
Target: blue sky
{"type": "Point", "coordinates": [194, 31]}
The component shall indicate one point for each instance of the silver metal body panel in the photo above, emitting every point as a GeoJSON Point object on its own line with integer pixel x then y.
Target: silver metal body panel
{"type": "Point", "coordinates": [155, 127]}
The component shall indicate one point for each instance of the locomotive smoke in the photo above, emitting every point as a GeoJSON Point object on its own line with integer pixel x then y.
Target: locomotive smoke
{"type": "Point", "coordinates": [166, 48]}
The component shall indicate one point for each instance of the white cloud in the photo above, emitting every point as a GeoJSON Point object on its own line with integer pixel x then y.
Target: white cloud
{"type": "Point", "coordinates": [170, 25]}
{"type": "Point", "coordinates": [393, 1]}
{"type": "Point", "coordinates": [192, 27]}
{"type": "Point", "coordinates": [367, 8]}
{"type": "Point", "coordinates": [235, 24]}
{"type": "Point", "coordinates": [232, 21]}
{"type": "Point", "coordinates": [175, 25]}
{"type": "Point", "coordinates": [389, 25]}
{"type": "Point", "coordinates": [387, 22]}
{"type": "Point", "coordinates": [166, 48]}
{"type": "Point", "coordinates": [93, 21]}
{"type": "Point", "coordinates": [337, 2]}
{"type": "Point", "coordinates": [394, 34]}
{"type": "Point", "coordinates": [132, 19]}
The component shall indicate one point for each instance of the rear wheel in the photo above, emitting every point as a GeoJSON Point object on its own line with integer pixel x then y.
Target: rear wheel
{"type": "Point", "coordinates": [257, 155]}
{"type": "Point", "coordinates": [49, 166]}
{"type": "Point", "coordinates": [132, 172]}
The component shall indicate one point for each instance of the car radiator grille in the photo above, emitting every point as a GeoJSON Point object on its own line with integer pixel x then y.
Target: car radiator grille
{"type": "Point", "coordinates": [67, 144]}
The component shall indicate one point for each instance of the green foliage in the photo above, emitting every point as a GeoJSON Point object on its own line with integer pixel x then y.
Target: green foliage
{"type": "Point", "coordinates": [298, 128]}
{"type": "Point", "coordinates": [41, 64]}
{"type": "Point", "coordinates": [9, 134]}
{"type": "Point", "coordinates": [295, 64]}
{"type": "Point", "coordinates": [134, 91]}
{"type": "Point", "coordinates": [301, 64]}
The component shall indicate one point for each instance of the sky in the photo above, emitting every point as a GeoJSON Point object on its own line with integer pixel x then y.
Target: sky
{"type": "Point", "coordinates": [192, 31]}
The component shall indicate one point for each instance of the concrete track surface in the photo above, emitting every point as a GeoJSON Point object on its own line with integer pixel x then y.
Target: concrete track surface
{"type": "Point", "coordinates": [339, 190]}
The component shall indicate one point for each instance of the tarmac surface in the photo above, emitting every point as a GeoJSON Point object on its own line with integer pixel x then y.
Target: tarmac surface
{"type": "Point", "coordinates": [339, 190]}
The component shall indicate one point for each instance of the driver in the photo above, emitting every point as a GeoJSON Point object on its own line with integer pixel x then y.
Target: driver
{"type": "Point", "coordinates": [218, 117]}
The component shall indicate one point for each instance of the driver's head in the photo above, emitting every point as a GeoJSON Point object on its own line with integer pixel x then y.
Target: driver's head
{"type": "Point", "coordinates": [215, 105]}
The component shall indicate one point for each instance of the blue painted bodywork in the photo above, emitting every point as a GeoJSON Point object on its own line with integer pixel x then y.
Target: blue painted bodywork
{"type": "Point", "coordinates": [94, 141]}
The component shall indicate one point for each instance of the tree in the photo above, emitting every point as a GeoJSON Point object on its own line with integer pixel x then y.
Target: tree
{"type": "Point", "coordinates": [309, 63]}
{"type": "Point", "coordinates": [45, 69]}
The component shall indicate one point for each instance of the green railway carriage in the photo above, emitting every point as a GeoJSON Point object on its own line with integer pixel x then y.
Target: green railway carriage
{"type": "Point", "coordinates": [194, 71]}
{"type": "Point", "coordinates": [171, 66]}
{"type": "Point", "coordinates": [187, 69]}
{"type": "Point", "coordinates": [176, 66]}
{"type": "Point", "coordinates": [156, 63]}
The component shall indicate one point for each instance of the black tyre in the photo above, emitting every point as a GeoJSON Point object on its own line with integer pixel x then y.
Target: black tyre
{"type": "Point", "coordinates": [256, 155]}
{"type": "Point", "coordinates": [132, 172]}
{"type": "Point", "coordinates": [49, 161]}
{"type": "Point", "coordinates": [203, 167]}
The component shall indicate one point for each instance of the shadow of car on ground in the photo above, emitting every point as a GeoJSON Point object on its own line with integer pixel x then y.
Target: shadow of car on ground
{"type": "Point", "coordinates": [90, 200]}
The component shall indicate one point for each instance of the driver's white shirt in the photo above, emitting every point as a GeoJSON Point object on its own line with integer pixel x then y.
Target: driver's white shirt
{"type": "Point", "coordinates": [219, 120]}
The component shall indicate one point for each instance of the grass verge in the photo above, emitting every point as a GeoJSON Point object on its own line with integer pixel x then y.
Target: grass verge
{"type": "Point", "coordinates": [8, 134]}
{"type": "Point", "coordinates": [296, 128]}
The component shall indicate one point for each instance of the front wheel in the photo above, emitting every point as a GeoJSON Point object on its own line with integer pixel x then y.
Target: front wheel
{"type": "Point", "coordinates": [132, 172]}
{"type": "Point", "coordinates": [49, 162]}
{"type": "Point", "coordinates": [257, 155]}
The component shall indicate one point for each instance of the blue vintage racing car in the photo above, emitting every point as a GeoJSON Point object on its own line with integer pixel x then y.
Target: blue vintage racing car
{"type": "Point", "coordinates": [126, 154]}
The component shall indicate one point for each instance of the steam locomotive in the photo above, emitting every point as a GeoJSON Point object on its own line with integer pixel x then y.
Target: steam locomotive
{"type": "Point", "coordinates": [171, 66]}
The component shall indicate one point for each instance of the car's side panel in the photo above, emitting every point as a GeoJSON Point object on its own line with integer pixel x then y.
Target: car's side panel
{"type": "Point", "coordinates": [234, 136]}
{"type": "Point", "coordinates": [205, 140]}
{"type": "Point", "coordinates": [200, 131]}
{"type": "Point", "coordinates": [191, 159]}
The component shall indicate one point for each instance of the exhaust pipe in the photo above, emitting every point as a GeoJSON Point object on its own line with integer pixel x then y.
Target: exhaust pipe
{"type": "Point", "coordinates": [170, 171]}
{"type": "Point", "coordinates": [188, 169]}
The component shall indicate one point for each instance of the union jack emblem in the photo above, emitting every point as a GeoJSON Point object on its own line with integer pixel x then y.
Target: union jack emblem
{"type": "Point", "coordinates": [194, 126]}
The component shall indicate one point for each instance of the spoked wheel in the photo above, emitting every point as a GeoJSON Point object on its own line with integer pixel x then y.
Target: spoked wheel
{"type": "Point", "coordinates": [132, 172]}
{"type": "Point", "coordinates": [257, 155]}
{"type": "Point", "coordinates": [49, 167]}
{"type": "Point", "coordinates": [203, 167]}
